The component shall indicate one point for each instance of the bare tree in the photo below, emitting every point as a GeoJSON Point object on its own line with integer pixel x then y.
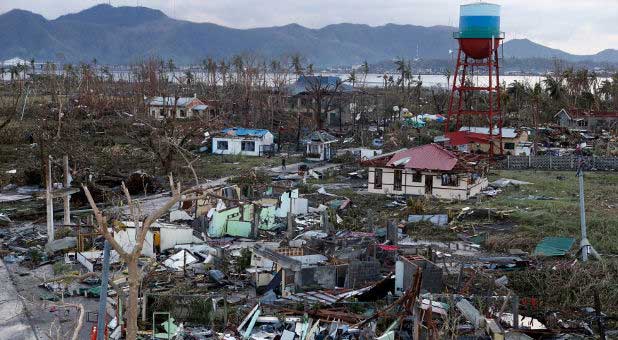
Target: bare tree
{"type": "Point", "coordinates": [9, 105]}
{"type": "Point", "coordinates": [323, 95]}
{"type": "Point", "coordinates": [131, 257]}
{"type": "Point", "coordinates": [142, 225]}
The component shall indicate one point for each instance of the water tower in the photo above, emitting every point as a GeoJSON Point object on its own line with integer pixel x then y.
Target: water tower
{"type": "Point", "coordinates": [477, 72]}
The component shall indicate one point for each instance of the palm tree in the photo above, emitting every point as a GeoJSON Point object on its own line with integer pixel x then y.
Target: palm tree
{"type": "Point", "coordinates": [239, 66]}
{"type": "Point", "coordinates": [297, 65]}
{"type": "Point", "coordinates": [517, 91]}
{"type": "Point", "coordinates": [554, 87]}
{"type": "Point", "coordinates": [402, 69]}
{"type": "Point", "coordinates": [352, 77]}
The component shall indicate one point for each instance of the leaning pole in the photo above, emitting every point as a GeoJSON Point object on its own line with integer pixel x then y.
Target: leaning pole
{"type": "Point", "coordinates": [585, 246]}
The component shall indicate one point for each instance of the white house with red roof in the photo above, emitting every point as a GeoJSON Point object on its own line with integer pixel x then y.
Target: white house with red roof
{"type": "Point", "coordinates": [427, 170]}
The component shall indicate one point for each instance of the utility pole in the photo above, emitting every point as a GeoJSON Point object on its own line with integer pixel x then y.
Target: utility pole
{"type": "Point", "coordinates": [51, 193]}
{"type": "Point", "coordinates": [66, 185]}
{"type": "Point", "coordinates": [101, 318]}
{"type": "Point", "coordinates": [585, 246]}
{"type": "Point", "coordinates": [49, 201]}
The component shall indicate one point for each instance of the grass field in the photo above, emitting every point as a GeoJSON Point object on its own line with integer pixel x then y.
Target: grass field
{"type": "Point", "coordinates": [560, 217]}
{"type": "Point", "coordinates": [535, 219]}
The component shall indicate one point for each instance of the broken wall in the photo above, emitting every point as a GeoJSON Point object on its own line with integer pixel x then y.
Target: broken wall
{"type": "Point", "coordinates": [236, 221]}
{"type": "Point", "coordinates": [299, 206]}
{"type": "Point", "coordinates": [172, 236]}
{"type": "Point", "coordinates": [362, 273]}
{"type": "Point", "coordinates": [405, 272]}
{"type": "Point", "coordinates": [325, 277]}
{"type": "Point", "coordinates": [126, 239]}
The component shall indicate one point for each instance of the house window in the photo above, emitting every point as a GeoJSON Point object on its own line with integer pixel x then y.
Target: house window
{"type": "Point", "coordinates": [417, 177]}
{"type": "Point", "coordinates": [509, 146]}
{"type": "Point", "coordinates": [398, 180]}
{"type": "Point", "coordinates": [183, 113]}
{"type": "Point", "coordinates": [221, 145]}
{"type": "Point", "coordinates": [161, 113]}
{"type": "Point", "coordinates": [449, 180]}
{"type": "Point", "coordinates": [247, 146]}
{"type": "Point", "coordinates": [377, 179]}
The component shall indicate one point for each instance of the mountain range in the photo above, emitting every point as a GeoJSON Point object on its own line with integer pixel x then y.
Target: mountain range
{"type": "Point", "coordinates": [122, 35]}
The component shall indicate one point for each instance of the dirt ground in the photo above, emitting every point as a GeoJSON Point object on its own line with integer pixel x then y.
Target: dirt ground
{"type": "Point", "coordinates": [48, 318]}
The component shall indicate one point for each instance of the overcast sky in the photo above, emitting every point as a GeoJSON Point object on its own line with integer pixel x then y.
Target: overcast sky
{"type": "Point", "coordinates": [576, 26]}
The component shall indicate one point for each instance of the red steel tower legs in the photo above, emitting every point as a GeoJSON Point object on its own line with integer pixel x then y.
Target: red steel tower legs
{"type": "Point", "coordinates": [464, 86]}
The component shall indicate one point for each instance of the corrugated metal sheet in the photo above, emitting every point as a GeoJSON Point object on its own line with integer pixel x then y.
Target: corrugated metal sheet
{"type": "Point", "coordinates": [439, 220]}
{"type": "Point", "coordinates": [506, 132]}
{"type": "Point", "coordinates": [426, 157]}
{"type": "Point", "coordinates": [170, 101]}
{"type": "Point", "coordinates": [241, 132]}
{"type": "Point", "coordinates": [318, 296]}
{"type": "Point", "coordinates": [554, 246]}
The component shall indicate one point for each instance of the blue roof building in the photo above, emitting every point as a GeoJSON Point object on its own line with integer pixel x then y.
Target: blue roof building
{"type": "Point", "coordinates": [243, 141]}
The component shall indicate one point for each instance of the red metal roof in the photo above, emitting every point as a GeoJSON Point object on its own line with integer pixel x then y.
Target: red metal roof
{"type": "Point", "coordinates": [426, 157]}
{"type": "Point", "coordinates": [457, 138]}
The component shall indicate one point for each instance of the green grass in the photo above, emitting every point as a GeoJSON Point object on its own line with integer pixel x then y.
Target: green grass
{"type": "Point", "coordinates": [560, 217]}
{"type": "Point", "coordinates": [216, 166]}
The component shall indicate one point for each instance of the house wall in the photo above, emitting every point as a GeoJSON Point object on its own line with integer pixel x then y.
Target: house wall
{"type": "Point", "coordinates": [405, 273]}
{"type": "Point", "coordinates": [171, 237]}
{"type": "Point", "coordinates": [127, 240]}
{"type": "Point", "coordinates": [596, 123]}
{"type": "Point", "coordinates": [155, 110]}
{"type": "Point", "coordinates": [234, 145]}
{"type": "Point", "coordinates": [521, 137]}
{"type": "Point", "coordinates": [231, 222]}
{"type": "Point", "coordinates": [462, 191]}
{"type": "Point", "coordinates": [324, 150]}
{"type": "Point", "coordinates": [304, 104]}
{"type": "Point", "coordinates": [324, 277]}
{"type": "Point", "coordinates": [564, 120]}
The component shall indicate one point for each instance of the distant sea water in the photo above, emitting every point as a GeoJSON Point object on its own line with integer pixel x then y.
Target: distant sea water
{"type": "Point", "coordinates": [431, 80]}
{"type": "Point", "coordinates": [371, 80]}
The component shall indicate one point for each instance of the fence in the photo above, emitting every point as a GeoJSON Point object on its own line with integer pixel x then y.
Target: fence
{"type": "Point", "coordinates": [557, 163]}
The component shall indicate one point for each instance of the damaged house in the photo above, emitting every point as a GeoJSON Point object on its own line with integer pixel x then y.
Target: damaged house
{"type": "Point", "coordinates": [427, 170]}
{"type": "Point", "coordinates": [320, 146]}
{"type": "Point", "coordinates": [477, 140]}
{"type": "Point", "coordinates": [328, 94]}
{"type": "Point", "coordinates": [586, 120]}
{"type": "Point", "coordinates": [181, 108]}
{"type": "Point", "coordinates": [241, 141]}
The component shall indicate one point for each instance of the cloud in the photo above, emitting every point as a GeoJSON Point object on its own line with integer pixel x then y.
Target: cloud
{"type": "Point", "coordinates": [576, 26]}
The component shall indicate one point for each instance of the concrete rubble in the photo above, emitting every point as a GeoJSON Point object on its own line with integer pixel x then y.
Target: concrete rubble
{"type": "Point", "coordinates": [285, 262]}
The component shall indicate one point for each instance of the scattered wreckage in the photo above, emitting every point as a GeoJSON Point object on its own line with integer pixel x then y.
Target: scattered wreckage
{"type": "Point", "coordinates": [268, 262]}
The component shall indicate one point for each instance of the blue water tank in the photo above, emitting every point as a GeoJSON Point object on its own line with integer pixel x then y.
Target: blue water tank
{"type": "Point", "coordinates": [479, 20]}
